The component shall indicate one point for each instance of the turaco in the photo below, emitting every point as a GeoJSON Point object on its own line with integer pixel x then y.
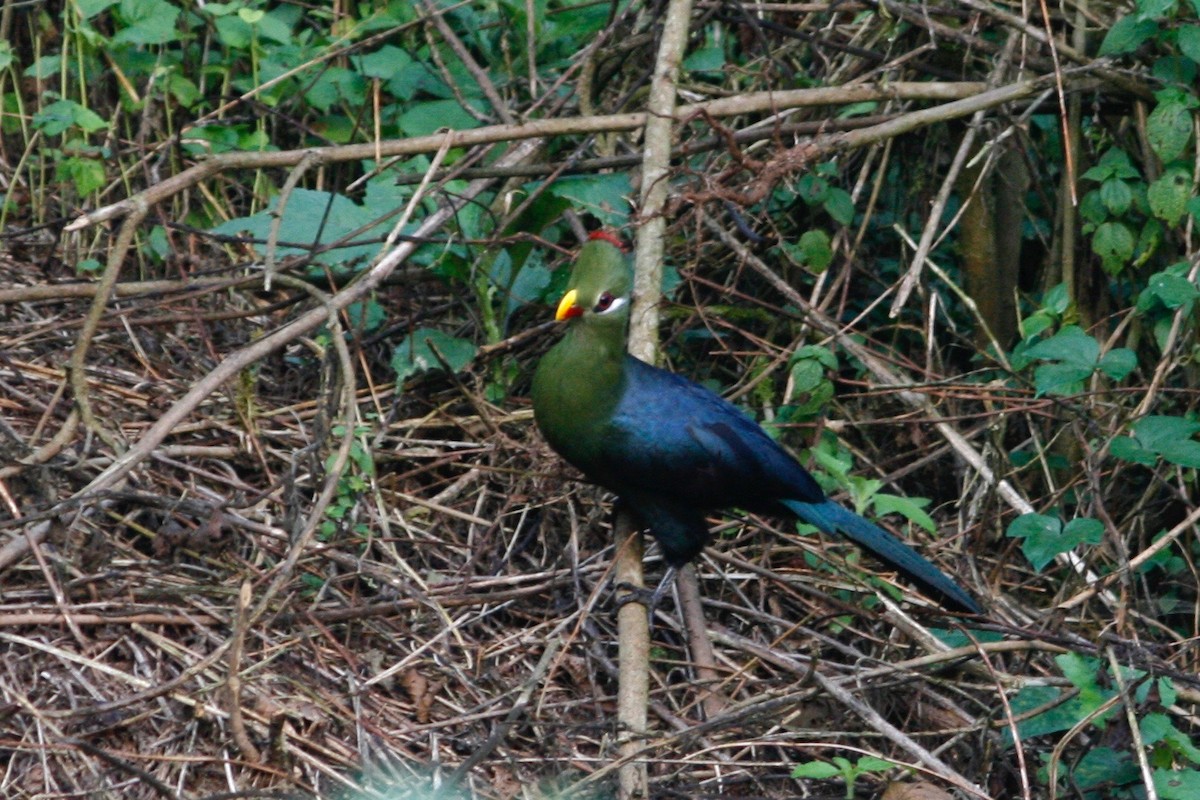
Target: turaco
{"type": "Point", "coordinates": [670, 449]}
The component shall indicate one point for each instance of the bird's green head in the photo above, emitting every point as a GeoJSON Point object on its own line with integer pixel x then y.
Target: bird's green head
{"type": "Point", "coordinates": [601, 284]}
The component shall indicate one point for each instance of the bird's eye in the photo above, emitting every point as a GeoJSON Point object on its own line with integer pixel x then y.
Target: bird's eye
{"type": "Point", "coordinates": [604, 302]}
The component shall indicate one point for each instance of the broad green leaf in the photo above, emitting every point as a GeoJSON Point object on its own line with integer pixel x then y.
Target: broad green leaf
{"type": "Point", "coordinates": [1071, 345]}
{"type": "Point", "coordinates": [1177, 784]}
{"type": "Point", "coordinates": [61, 115]}
{"type": "Point", "coordinates": [812, 188]}
{"type": "Point", "coordinates": [604, 196]}
{"type": "Point", "coordinates": [1189, 41]}
{"type": "Point", "coordinates": [1113, 242]}
{"type": "Point", "coordinates": [1185, 453]}
{"type": "Point", "coordinates": [87, 174]}
{"type": "Point", "coordinates": [1126, 35]}
{"type": "Point", "coordinates": [416, 353]}
{"type": "Point", "coordinates": [1170, 287]}
{"type": "Point", "coordinates": [1156, 432]}
{"type": "Point", "coordinates": [911, 508]}
{"type": "Point", "coordinates": [818, 770]}
{"type": "Point", "coordinates": [1169, 195]}
{"type": "Point", "coordinates": [313, 218]}
{"type": "Point", "coordinates": [90, 8]}
{"type": "Point", "coordinates": [815, 250]}
{"type": "Point", "coordinates": [1082, 672]}
{"type": "Point", "coordinates": [1114, 163]}
{"type": "Point", "coordinates": [149, 22]}
{"type": "Point", "coordinates": [1058, 717]}
{"type": "Point", "coordinates": [813, 351]}
{"type": "Point", "coordinates": [806, 374]}
{"type": "Point", "coordinates": [1118, 363]}
{"type": "Point", "coordinates": [1127, 448]}
{"type": "Point", "coordinates": [431, 116]}
{"type": "Point", "coordinates": [1061, 380]}
{"type": "Point", "coordinates": [1103, 767]}
{"type": "Point", "coordinates": [383, 63]}
{"type": "Point", "coordinates": [839, 205]}
{"type": "Point", "coordinates": [1045, 537]}
{"type": "Point", "coordinates": [1169, 129]}
{"type": "Point", "coordinates": [1167, 692]}
{"type": "Point", "coordinates": [1155, 436]}
{"type": "Point", "coordinates": [1155, 9]}
{"type": "Point", "coordinates": [706, 59]}
{"type": "Point", "coordinates": [1116, 196]}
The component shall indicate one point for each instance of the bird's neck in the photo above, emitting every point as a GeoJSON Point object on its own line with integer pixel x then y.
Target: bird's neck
{"type": "Point", "coordinates": [578, 384]}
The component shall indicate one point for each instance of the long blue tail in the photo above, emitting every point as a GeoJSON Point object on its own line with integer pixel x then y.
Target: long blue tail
{"type": "Point", "coordinates": [833, 518]}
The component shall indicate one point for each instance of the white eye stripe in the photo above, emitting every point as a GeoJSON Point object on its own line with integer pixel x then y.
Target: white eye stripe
{"type": "Point", "coordinates": [614, 304]}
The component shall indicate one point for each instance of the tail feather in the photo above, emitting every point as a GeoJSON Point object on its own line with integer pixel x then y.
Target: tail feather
{"type": "Point", "coordinates": [833, 518]}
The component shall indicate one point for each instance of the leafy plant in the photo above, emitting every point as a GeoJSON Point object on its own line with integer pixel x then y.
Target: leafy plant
{"type": "Point", "coordinates": [841, 767]}
{"type": "Point", "coordinates": [1072, 357]}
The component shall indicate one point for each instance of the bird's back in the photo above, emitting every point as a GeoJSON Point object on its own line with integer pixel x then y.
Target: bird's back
{"type": "Point", "coordinates": [671, 436]}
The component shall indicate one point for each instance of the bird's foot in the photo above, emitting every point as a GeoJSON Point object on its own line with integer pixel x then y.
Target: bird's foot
{"type": "Point", "coordinates": [628, 593]}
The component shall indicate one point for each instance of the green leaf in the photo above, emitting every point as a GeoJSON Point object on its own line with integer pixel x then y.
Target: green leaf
{"type": "Point", "coordinates": [1156, 432]}
{"type": "Point", "coordinates": [1177, 784]}
{"type": "Point", "coordinates": [604, 196]}
{"type": "Point", "coordinates": [339, 216]}
{"type": "Point", "coordinates": [149, 22]}
{"type": "Point", "coordinates": [1113, 242]}
{"type": "Point", "coordinates": [1061, 380]}
{"type": "Point", "coordinates": [812, 189]}
{"type": "Point", "coordinates": [1155, 9]}
{"type": "Point", "coordinates": [431, 116]}
{"type": "Point", "coordinates": [415, 354]}
{"type": "Point", "coordinates": [1082, 672]}
{"type": "Point", "coordinates": [383, 63]}
{"type": "Point", "coordinates": [90, 8]}
{"type": "Point", "coordinates": [87, 174]}
{"type": "Point", "coordinates": [1189, 42]}
{"type": "Point", "coordinates": [818, 770]}
{"type": "Point", "coordinates": [1116, 196]}
{"type": "Point", "coordinates": [911, 508]}
{"type": "Point", "coordinates": [815, 250]}
{"type": "Point", "coordinates": [61, 115]}
{"type": "Point", "coordinates": [1127, 448]}
{"type": "Point", "coordinates": [1126, 35]}
{"type": "Point", "coordinates": [1045, 537]}
{"type": "Point", "coordinates": [1172, 289]}
{"type": "Point", "coordinates": [1114, 163]}
{"type": "Point", "coordinates": [1168, 196]}
{"type": "Point", "coordinates": [839, 205]}
{"type": "Point", "coordinates": [706, 59]}
{"type": "Point", "coordinates": [1118, 363]}
{"type": "Point", "coordinates": [1169, 129]}
{"type": "Point", "coordinates": [1071, 345]}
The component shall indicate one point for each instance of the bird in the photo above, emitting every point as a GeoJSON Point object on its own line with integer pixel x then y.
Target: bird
{"type": "Point", "coordinates": [671, 450]}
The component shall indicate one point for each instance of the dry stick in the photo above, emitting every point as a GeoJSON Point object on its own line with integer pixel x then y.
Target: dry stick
{"type": "Point", "coordinates": [482, 79]}
{"type": "Point", "coordinates": [233, 683]}
{"type": "Point", "coordinates": [311, 159]}
{"type": "Point", "coordinates": [758, 102]}
{"type": "Point", "coordinates": [76, 366]}
{"type": "Point", "coordinates": [691, 611]}
{"type": "Point", "coordinates": [1131, 718]}
{"type": "Point", "coordinates": [633, 693]}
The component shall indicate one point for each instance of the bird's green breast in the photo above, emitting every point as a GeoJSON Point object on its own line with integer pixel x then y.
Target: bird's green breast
{"type": "Point", "coordinates": [576, 388]}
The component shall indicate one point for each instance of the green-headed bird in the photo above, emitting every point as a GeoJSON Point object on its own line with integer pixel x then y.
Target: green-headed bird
{"type": "Point", "coordinates": [670, 449]}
